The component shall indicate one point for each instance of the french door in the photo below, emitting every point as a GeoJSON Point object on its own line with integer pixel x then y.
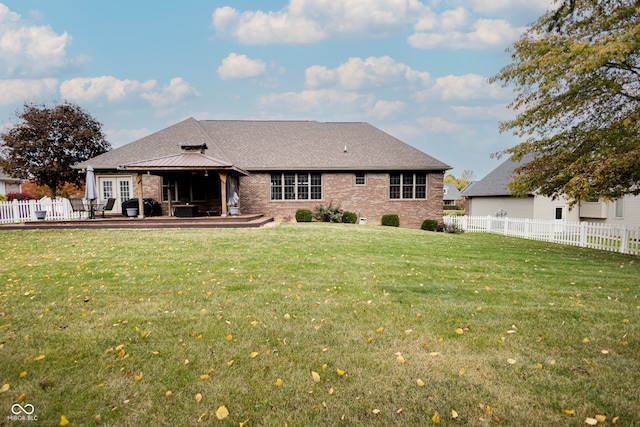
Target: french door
{"type": "Point", "coordinates": [118, 187]}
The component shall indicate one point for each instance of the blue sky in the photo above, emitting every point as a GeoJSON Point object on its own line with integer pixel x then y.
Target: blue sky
{"type": "Point", "coordinates": [416, 69]}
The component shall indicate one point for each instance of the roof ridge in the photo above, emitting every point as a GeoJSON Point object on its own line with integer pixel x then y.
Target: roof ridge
{"type": "Point", "coordinates": [213, 142]}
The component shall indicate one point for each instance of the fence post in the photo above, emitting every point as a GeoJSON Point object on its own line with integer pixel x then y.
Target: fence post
{"type": "Point", "coordinates": [583, 234]}
{"type": "Point", "coordinates": [16, 211]}
{"type": "Point", "coordinates": [506, 226]}
{"type": "Point", "coordinates": [624, 239]}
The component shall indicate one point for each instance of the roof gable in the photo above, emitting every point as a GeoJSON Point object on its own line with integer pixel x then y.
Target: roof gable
{"type": "Point", "coordinates": [254, 145]}
{"type": "Point", "coordinates": [496, 183]}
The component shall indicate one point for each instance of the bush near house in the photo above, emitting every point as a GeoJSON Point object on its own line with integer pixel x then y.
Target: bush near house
{"type": "Point", "coordinates": [391, 220]}
{"type": "Point", "coordinates": [304, 215]}
{"type": "Point", "coordinates": [349, 217]}
{"type": "Point", "coordinates": [328, 213]}
{"type": "Point", "coordinates": [429, 225]}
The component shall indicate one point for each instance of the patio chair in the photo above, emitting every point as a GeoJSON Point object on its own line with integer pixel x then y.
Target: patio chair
{"type": "Point", "coordinates": [77, 205]}
{"type": "Point", "coordinates": [107, 206]}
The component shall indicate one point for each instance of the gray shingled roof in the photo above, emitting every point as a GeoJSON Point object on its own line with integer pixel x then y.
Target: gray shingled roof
{"type": "Point", "coordinates": [452, 192]}
{"type": "Point", "coordinates": [276, 145]}
{"type": "Point", "coordinates": [496, 183]}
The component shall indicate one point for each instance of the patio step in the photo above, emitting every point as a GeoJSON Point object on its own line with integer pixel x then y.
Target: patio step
{"type": "Point", "coordinates": [119, 222]}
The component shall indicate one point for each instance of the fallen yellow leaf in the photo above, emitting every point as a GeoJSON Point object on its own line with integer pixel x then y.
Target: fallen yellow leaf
{"type": "Point", "coordinates": [253, 354]}
{"type": "Point", "coordinates": [138, 377]}
{"type": "Point", "coordinates": [601, 418]}
{"type": "Point", "coordinates": [228, 337]}
{"type": "Point", "coordinates": [4, 388]}
{"type": "Point", "coordinates": [376, 411]}
{"type": "Point", "coordinates": [23, 374]}
{"type": "Point", "coordinates": [400, 359]}
{"type": "Point", "coordinates": [614, 420]}
{"type": "Point", "coordinates": [63, 420]}
{"type": "Point", "coordinates": [204, 377]}
{"type": "Point", "coordinates": [198, 397]}
{"type": "Point", "coordinates": [222, 412]}
{"type": "Point", "coordinates": [435, 418]}
{"type": "Point", "coordinates": [278, 382]}
{"type": "Point", "coordinates": [230, 362]}
{"type": "Point", "coordinates": [511, 361]}
{"type": "Point", "coordinates": [331, 390]}
{"type": "Point", "coordinates": [22, 397]}
{"type": "Point", "coordinates": [591, 421]}
{"type": "Point", "coordinates": [380, 329]}
{"type": "Point", "coordinates": [39, 357]}
{"type": "Point", "coordinates": [570, 411]}
{"type": "Point", "coordinates": [454, 414]}
{"type": "Point", "coordinates": [420, 382]}
{"type": "Point", "coordinates": [459, 331]}
{"type": "Point", "coordinates": [461, 371]}
{"type": "Point", "coordinates": [315, 376]}
{"type": "Point", "coordinates": [340, 372]}
{"type": "Point", "coordinates": [434, 354]}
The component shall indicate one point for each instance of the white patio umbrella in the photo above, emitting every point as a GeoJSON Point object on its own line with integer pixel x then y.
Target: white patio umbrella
{"type": "Point", "coordinates": [91, 190]}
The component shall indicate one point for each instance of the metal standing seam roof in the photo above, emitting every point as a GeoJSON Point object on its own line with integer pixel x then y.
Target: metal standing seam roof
{"type": "Point", "coordinates": [272, 145]}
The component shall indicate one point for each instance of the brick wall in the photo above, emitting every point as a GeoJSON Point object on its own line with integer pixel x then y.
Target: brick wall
{"type": "Point", "coordinates": [370, 201]}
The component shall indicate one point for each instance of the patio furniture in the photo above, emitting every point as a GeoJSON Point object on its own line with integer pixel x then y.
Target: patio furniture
{"type": "Point", "coordinates": [77, 205]}
{"type": "Point", "coordinates": [185, 211]}
{"type": "Point", "coordinates": [107, 206]}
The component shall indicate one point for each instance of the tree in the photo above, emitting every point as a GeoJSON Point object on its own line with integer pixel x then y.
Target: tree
{"type": "Point", "coordinates": [464, 180]}
{"type": "Point", "coordinates": [46, 142]}
{"type": "Point", "coordinates": [576, 74]}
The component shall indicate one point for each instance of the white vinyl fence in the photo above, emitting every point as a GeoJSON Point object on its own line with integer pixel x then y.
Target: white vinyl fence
{"type": "Point", "coordinates": [608, 237]}
{"type": "Point", "coordinates": [25, 210]}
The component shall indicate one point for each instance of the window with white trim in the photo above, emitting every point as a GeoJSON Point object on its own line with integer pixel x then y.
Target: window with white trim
{"type": "Point", "coordinates": [296, 186]}
{"type": "Point", "coordinates": [361, 179]}
{"type": "Point", "coordinates": [408, 186]}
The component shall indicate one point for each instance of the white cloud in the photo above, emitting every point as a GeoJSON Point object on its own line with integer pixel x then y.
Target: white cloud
{"type": "Point", "coordinates": [387, 109]}
{"type": "Point", "coordinates": [30, 49]}
{"type": "Point", "coordinates": [317, 101]}
{"type": "Point", "coordinates": [510, 6]}
{"type": "Point", "coordinates": [175, 91]}
{"type": "Point", "coordinates": [499, 112]}
{"type": "Point", "coordinates": [92, 88]}
{"type": "Point", "coordinates": [12, 91]}
{"type": "Point", "coordinates": [310, 21]}
{"type": "Point", "coordinates": [236, 66]}
{"type": "Point", "coordinates": [484, 33]}
{"type": "Point", "coordinates": [437, 124]}
{"type": "Point", "coordinates": [465, 87]}
{"type": "Point", "coordinates": [113, 89]}
{"type": "Point", "coordinates": [357, 73]}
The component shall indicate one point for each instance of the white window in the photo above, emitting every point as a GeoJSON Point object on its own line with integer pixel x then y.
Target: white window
{"type": "Point", "coordinates": [361, 179]}
{"type": "Point", "coordinates": [296, 186]}
{"type": "Point", "coordinates": [408, 186]}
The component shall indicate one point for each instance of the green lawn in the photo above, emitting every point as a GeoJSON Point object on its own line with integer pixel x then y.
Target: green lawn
{"type": "Point", "coordinates": [164, 327]}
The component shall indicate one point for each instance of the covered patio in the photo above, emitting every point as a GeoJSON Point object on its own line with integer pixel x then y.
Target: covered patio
{"type": "Point", "coordinates": [193, 184]}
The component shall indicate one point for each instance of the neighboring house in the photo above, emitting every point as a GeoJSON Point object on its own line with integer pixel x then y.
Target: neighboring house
{"type": "Point", "coordinates": [492, 196]}
{"type": "Point", "coordinates": [9, 184]}
{"type": "Point", "coordinates": [451, 195]}
{"type": "Point", "coordinates": [275, 168]}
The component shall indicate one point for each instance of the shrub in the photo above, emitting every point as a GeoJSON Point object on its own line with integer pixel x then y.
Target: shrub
{"type": "Point", "coordinates": [449, 228]}
{"type": "Point", "coordinates": [19, 196]}
{"type": "Point", "coordinates": [3, 198]}
{"type": "Point", "coordinates": [391, 220]}
{"type": "Point", "coordinates": [349, 217]}
{"type": "Point", "coordinates": [328, 213]}
{"type": "Point", "coordinates": [304, 215]}
{"type": "Point", "coordinates": [429, 225]}
{"type": "Point", "coordinates": [451, 208]}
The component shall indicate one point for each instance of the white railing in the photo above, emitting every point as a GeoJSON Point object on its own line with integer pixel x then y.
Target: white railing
{"type": "Point", "coordinates": [608, 237]}
{"type": "Point", "coordinates": [25, 210]}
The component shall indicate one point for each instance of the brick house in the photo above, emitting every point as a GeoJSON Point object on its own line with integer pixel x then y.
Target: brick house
{"type": "Point", "coordinates": [274, 168]}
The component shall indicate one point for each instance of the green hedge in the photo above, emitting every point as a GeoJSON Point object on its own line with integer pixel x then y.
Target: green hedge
{"type": "Point", "coordinates": [429, 225]}
{"type": "Point", "coordinates": [349, 217]}
{"type": "Point", "coordinates": [304, 215]}
{"type": "Point", "coordinates": [391, 220]}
